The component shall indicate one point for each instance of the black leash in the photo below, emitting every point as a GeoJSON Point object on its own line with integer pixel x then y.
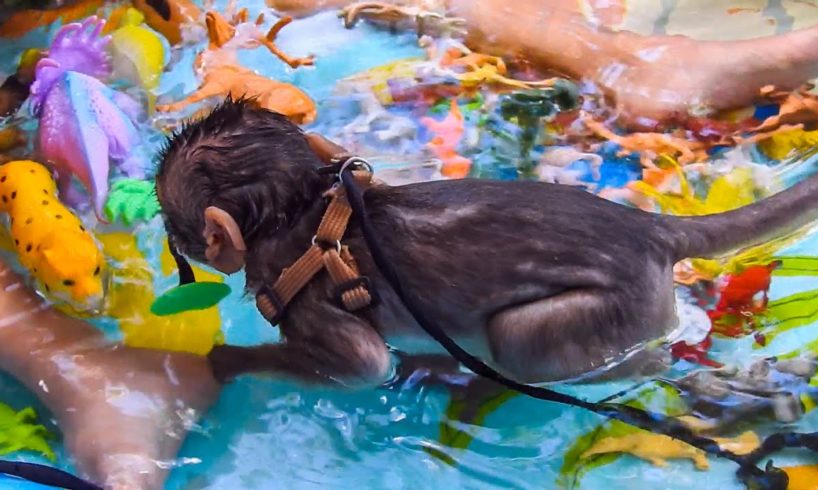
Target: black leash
{"type": "Point", "coordinates": [45, 475]}
{"type": "Point", "coordinates": [771, 478]}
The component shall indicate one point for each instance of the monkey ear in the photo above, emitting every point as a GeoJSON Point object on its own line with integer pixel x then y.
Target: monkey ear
{"type": "Point", "coordinates": [326, 149]}
{"type": "Point", "coordinates": [225, 244]}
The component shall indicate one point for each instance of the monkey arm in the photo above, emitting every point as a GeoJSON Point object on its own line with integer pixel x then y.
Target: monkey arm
{"type": "Point", "coordinates": [348, 354]}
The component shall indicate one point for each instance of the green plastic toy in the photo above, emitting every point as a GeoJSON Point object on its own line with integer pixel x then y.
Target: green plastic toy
{"type": "Point", "coordinates": [187, 297]}
{"type": "Point", "coordinates": [189, 294]}
{"type": "Point", "coordinates": [18, 432]}
{"type": "Point", "coordinates": [132, 200]}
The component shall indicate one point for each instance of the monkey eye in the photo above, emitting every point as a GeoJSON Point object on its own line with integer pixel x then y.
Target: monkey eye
{"type": "Point", "coordinates": [68, 282]}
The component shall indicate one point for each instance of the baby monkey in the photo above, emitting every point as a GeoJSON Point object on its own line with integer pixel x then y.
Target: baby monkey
{"type": "Point", "coordinates": [543, 282]}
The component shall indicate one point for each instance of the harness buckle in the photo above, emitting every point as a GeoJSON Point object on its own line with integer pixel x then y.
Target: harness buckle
{"type": "Point", "coordinates": [267, 299]}
{"type": "Point", "coordinates": [360, 281]}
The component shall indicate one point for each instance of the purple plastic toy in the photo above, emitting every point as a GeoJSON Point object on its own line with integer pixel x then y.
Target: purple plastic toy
{"type": "Point", "coordinates": [83, 123]}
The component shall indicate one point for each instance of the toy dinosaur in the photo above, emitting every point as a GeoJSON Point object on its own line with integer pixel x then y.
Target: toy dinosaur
{"type": "Point", "coordinates": [651, 145]}
{"type": "Point", "coordinates": [50, 241]}
{"type": "Point", "coordinates": [422, 17]}
{"type": "Point", "coordinates": [83, 123]}
{"type": "Point", "coordinates": [222, 76]}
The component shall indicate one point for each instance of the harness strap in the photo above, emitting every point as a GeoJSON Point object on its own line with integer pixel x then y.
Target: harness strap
{"type": "Point", "coordinates": [352, 290]}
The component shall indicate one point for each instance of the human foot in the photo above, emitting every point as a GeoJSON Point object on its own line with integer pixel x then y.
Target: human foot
{"type": "Point", "coordinates": [648, 79]}
{"type": "Point", "coordinates": [124, 412]}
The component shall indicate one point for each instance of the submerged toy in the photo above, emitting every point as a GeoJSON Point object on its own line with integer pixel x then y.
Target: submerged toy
{"type": "Point", "coordinates": [131, 200]}
{"type": "Point", "coordinates": [651, 145]}
{"type": "Point", "coordinates": [656, 448]}
{"type": "Point", "coordinates": [553, 163]}
{"type": "Point", "coordinates": [222, 76]}
{"type": "Point", "coordinates": [768, 388]}
{"type": "Point", "coordinates": [134, 200]}
{"type": "Point", "coordinates": [424, 20]}
{"type": "Point", "coordinates": [131, 296]}
{"type": "Point", "coordinates": [447, 135]}
{"type": "Point", "coordinates": [83, 123]}
{"type": "Point", "coordinates": [50, 240]}
{"type": "Point", "coordinates": [138, 53]}
{"type": "Point", "coordinates": [796, 108]}
{"type": "Point", "coordinates": [18, 432]}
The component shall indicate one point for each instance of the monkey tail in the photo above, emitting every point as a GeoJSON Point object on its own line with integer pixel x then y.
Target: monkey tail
{"type": "Point", "coordinates": [714, 235]}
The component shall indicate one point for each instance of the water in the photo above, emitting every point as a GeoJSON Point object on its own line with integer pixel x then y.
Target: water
{"type": "Point", "coordinates": [263, 434]}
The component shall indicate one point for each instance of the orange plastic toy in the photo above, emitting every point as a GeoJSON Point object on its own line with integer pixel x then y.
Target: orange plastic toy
{"type": "Point", "coordinates": [222, 75]}
{"type": "Point", "coordinates": [448, 133]}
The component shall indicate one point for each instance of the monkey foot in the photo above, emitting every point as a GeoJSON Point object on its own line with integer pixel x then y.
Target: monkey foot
{"type": "Point", "coordinates": [125, 412]}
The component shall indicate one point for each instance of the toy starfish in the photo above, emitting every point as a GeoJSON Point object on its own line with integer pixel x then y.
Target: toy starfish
{"type": "Point", "coordinates": [650, 145]}
{"type": "Point", "coordinates": [426, 21]}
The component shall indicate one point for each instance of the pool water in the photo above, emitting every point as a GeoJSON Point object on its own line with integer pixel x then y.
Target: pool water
{"type": "Point", "coordinates": [267, 435]}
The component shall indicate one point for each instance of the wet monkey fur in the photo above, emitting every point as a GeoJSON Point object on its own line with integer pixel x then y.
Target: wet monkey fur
{"type": "Point", "coordinates": [543, 282]}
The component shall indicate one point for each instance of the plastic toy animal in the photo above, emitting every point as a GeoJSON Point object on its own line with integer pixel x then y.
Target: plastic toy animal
{"type": "Point", "coordinates": [168, 17]}
{"type": "Point", "coordinates": [138, 54]}
{"type": "Point", "coordinates": [50, 241]}
{"type": "Point", "coordinates": [222, 76]}
{"type": "Point", "coordinates": [480, 69]}
{"type": "Point", "coordinates": [655, 448]}
{"type": "Point", "coordinates": [424, 20]}
{"type": "Point", "coordinates": [447, 135]}
{"type": "Point", "coordinates": [651, 145]}
{"type": "Point", "coordinates": [374, 118]}
{"type": "Point", "coordinates": [19, 432]}
{"type": "Point", "coordinates": [83, 123]}
{"type": "Point", "coordinates": [132, 294]}
{"type": "Point", "coordinates": [797, 107]}
{"type": "Point", "coordinates": [553, 163]}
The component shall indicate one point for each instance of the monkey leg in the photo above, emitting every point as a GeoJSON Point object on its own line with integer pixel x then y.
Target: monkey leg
{"type": "Point", "coordinates": [578, 332]}
{"type": "Point", "coordinates": [350, 356]}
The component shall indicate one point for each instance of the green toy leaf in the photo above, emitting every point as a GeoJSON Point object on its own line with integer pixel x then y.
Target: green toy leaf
{"type": "Point", "coordinates": [189, 297]}
{"type": "Point", "coordinates": [131, 200]}
{"type": "Point", "coordinates": [18, 432]}
{"type": "Point", "coordinates": [790, 312]}
{"type": "Point", "coordinates": [797, 266]}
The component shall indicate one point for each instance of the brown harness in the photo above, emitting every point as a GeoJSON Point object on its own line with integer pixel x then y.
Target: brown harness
{"type": "Point", "coordinates": [352, 290]}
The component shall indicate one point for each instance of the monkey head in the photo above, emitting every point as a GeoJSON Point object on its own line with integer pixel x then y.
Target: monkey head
{"type": "Point", "coordinates": [233, 179]}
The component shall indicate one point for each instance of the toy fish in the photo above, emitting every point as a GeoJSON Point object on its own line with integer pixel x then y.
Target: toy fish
{"type": "Point", "coordinates": [50, 240]}
{"type": "Point", "coordinates": [132, 294]}
{"type": "Point", "coordinates": [138, 53]}
{"type": "Point", "coordinates": [83, 123]}
{"type": "Point", "coordinates": [447, 135]}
